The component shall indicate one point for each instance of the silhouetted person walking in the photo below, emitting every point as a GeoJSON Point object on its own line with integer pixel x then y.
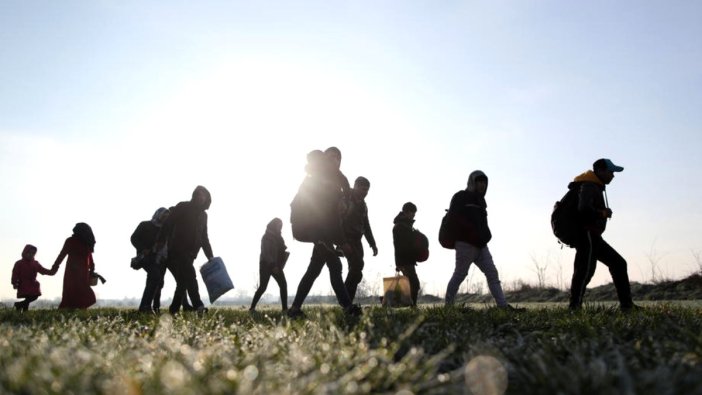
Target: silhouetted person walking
{"type": "Point", "coordinates": [151, 259]}
{"type": "Point", "coordinates": [405, 251]}
{"type": "Point", "coordinates": [469, 211]}
{"type": "Point", "coordinates": [24, 277]}
{"type": "Point", "coordinates": [77, 293]}
{"type": "Point", "coordinates": [590, 247]}
{"type": "Point", "coordinates": [321, 195]}
{"type": "Point", "coordinates": [271, 263]}
{"type": "Point", "coordinates": [185, 230]}
{"type": "Point", "coordinates": [356, 226]}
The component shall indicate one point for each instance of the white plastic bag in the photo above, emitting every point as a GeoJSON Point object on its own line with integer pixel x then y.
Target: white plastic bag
{"type": "Point", "coordinates": [216, 278]}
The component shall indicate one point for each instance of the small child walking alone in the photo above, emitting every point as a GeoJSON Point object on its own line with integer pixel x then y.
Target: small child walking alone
{"type": "Point", "coordinates": [24, 277]}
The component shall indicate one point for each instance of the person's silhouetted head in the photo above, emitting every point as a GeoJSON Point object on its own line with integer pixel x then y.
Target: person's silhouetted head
{"type": "Point", "coordinates": [275, 226]}
{"type": "Point", "coordinates": [334, 155]}
{"type": "Point", "coordinates": [29, 252]}
{"type": "Point", "coordinates": [477, 182]}
{"type": "Point", "coordinates": [160, 216]}
{"type": "Point", "coordinates": [409, 210]}
{"type": "Point", "coordinates": [361, 187]}
{"type": "Point", "coordinates": [604, 170]}
{"type": "Point", "coordinates": [201, 197]}
{"type": "Point", "coordinates": [315, 162]}
{"type": "Point", "coordinates": [84, 233]}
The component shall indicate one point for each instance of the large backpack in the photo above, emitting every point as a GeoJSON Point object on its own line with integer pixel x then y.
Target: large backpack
{"type": "Point", "coordinates": [313, 211]}
{"type": "Point", "coordinates": [305, 217]}
{"type": "Point", "coordinates": [447, 232]}
{"type": "Point", "coordinates": [565, 220]}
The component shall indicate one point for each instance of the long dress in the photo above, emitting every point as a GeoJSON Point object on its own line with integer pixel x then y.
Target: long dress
{"type": "Point", "coordinates": [77, 293]}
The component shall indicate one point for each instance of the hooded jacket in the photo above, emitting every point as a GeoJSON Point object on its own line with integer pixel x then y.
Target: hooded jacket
{"type": "Point", "coordinates": [591, 201]}
{"type": "Point", "coordinates": [469, 211]}
{"type": "Point", "coordinates": [273, 248]}
{"type": "Point", "coordinates": [186, 228]}
{"type": "Point", "coordinates": [403, 240]}
{"type": "Point", "coordinates": [24, 277]}
{"type": "Point", "coordinates": [356, 223]}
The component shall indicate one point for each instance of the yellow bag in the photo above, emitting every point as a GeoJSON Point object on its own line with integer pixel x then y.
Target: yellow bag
{"type": "Point", "coordinates": [396, 291]}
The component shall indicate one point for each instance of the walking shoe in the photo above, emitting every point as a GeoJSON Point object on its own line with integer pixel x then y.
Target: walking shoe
{"type": "Point", "coordinates": [353, 310]}
{"type": "Point", "coordinates": [295, 313]}
{"type": "Point", "coordinates": [200, 310]}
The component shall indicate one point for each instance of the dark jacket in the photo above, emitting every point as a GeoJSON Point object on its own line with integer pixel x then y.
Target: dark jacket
{"type": "Point", "coordinates": [590, 201]}
{"type": "Point", "coordinates": [186, 228]}
{"type": "Point", "coordinates": [273, 250]}
{"type": "Point", "coordinates": [403, 240]}
{"type": "Point", "coordinates": [356, 224]}
{"type": "Point", "coordinates": [468, 212]}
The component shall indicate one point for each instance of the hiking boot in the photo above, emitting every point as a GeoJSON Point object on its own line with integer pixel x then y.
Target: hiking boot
{"type": "Point", "coordinates": [353, 310]}
{"type": "Point", "coordinates": [295, 313]}
{"type": "Point", "coordinates": [18, 306]}
{"type": "Point", "coordinates": [201, 310]}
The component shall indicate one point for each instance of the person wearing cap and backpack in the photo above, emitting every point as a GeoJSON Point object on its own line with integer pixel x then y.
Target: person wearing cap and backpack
{"type": "Point", "coordinates": [588, 215]}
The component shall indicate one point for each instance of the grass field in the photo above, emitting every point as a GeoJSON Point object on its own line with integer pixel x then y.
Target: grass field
{"type": "Point", "coordinates": [432, 350]}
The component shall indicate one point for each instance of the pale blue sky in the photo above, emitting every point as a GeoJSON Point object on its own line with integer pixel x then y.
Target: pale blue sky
{"type": "Point", "coordinates": [110, 109]}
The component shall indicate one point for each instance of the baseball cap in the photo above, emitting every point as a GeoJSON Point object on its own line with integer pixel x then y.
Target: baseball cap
{"type": "Point", "coordinates": [606, 164]}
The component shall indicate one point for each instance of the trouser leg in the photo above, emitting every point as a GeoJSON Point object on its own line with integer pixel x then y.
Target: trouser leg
{"type": "Point", "coordinates": [27, 300]}
{"type": "Point", "coordinates": [279, 277]}
{"type": "Point", "coordinates": [264, 276]}
{"type": "Point", "coordinates": [355, 274]}
{"type": "Point", "coordinates": [486, 265]}
{"type": "Point", "coordinates": [465, 255]}
{"type": "Point", "coordinates": [192, 286]}
{"type": "Point", "coordinates": [583, 268]}
{"type": "Point", "coordinates": [618, 269]}
{"type": "Point", "coordinates": [336, 279]}
{"type": "Point", "coordinates": [313, 270]}
{"type": "Point", "coordinates": [411, 273]}
{"type": "Point", "coordinates": [153, 274]}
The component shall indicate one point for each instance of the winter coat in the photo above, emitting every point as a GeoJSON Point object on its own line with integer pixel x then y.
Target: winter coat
{"type": "Point", "coordinates": [186, 228]}
{"type": "Point", "coordinates": [77, 293]}
{"type": "Point", "coordinates": [273, 250]}
{"type": "Point", "coordinates": [590, 201]}
{"type": "Point", "coordinates": [356, 224]}
{"type": "Point", "coordinates": [24, 277]}
{"type": "Point", "coordinates": [403, 240]}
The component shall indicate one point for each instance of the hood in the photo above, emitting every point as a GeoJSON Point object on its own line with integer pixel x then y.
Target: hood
{"type": "Point", "coordinates": [588, 176]}
{"type": "Point", "coordinates": [156, 218]}
{"type": "Point", "coordinates": [274, 226]}
{"type": "Point", "coordinates": [208, 199]}
{"type": "Point", "coordinates": [472, 178]}
{"type": "Point", "coordinates": [401, 219]}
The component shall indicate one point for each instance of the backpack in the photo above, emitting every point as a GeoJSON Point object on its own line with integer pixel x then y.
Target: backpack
{"type": "Point", "coordinates": [565, 221]}
{"type": "Point", "coordinates": [304, 219]}
{"type": "Point", "coordinates": [447, 232]}
{"type": "Point", "coordinates": [313, 211]}
{"type": "Point", "coordinates": [421, 245]}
